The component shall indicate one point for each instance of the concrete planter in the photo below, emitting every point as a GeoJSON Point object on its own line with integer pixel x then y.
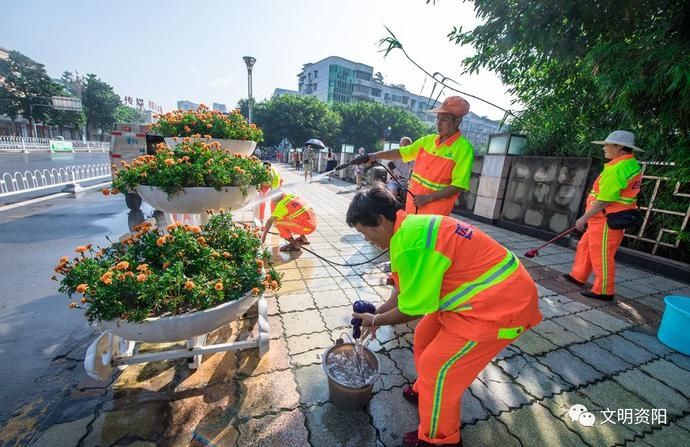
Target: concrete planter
{"type": "Point", "coordinates": [197, 200]}
{"type": "Point", "coordinates": [181, 327]}
{"type": "Point", "coordinates": [241, 147]}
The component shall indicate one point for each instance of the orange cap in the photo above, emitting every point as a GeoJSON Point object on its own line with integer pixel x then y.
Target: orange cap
{"type": "Point", "coordinates": [455, 105]}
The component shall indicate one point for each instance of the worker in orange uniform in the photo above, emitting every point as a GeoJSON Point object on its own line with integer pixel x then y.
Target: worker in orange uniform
{"type": "Point", "coordinates": [615, 190]}
{"type": "Point", "coordinates": [275, 183]}
{"type": "Point", "coordinates": [473, 296]}
{"type": "Point", "coordinates": [292, 217]}
{"type": "Point", "coordinates": [443, 162]}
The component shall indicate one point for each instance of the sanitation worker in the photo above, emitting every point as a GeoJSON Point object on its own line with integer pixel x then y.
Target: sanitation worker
{"type": "Point", "coordinates": [443, 162]}
{"type": "Point", "coordinates": [615, 190]}
{"type": "Point", "coordinates": [292, 217]}
{"type": "Point", "coordinates": [472, 295]}
{"type": "Point", "coordinates": [275, 183]}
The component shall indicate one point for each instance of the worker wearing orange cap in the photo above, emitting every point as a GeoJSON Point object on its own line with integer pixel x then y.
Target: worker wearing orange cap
{"type": "Point", "coordinates": [473, 296]}
{"type": "Point", "coordinates": [615, 190]}
{"type": "Point", "coordinates": [292, 216]}
{"type": "Point", "coordinates": [443, 162]}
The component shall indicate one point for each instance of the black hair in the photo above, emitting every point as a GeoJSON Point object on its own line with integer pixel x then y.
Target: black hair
{"type": "Point", "coordinates": [627, 149]}
{"type": "Point", "coordinates": [370, 204]}
{"type": "Point", "coordinates": [391, 165]}
{"type": "Point", "coordinates": [267, 164]}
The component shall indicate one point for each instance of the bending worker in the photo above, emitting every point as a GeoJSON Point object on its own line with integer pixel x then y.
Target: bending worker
{"type": "Point", "coordinates": [292, 217]}
{"type": "Point", "coordinates": [615, 190]}
{"type": "Point", "coordinates": [443, 162]}
{"type": "Point", "coordinates": [473, 296]}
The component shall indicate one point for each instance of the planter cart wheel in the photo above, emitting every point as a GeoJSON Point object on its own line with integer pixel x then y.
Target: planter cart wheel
{"type": "Point", "coordinates": [133, 200]}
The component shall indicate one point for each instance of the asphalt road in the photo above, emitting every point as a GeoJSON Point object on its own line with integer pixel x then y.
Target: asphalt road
{"type": "Point", "coordinates": [36, 325]}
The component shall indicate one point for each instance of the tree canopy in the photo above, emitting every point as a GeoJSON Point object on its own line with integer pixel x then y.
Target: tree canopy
{"type": "Point", "coordinates": [100, 103]}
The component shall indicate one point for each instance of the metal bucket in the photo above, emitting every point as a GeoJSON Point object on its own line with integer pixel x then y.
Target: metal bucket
{"type": "Point", "coordinates": [346, 397]}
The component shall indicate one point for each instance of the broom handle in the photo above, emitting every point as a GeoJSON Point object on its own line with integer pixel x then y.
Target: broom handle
{"type": "Point", "coordinates": [566, 232]}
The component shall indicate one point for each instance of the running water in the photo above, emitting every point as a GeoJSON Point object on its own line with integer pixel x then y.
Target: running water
{"type": "Point", "coordinates": [350, 369]}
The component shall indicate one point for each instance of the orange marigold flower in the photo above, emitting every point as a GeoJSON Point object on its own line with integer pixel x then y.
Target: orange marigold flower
{"type": "Point", "coordinates": [255, 291]}
{"type": "Point", "coordinates": [73, 305]}
{"type": "Point", "coordinates": [106, 192]}
{"type": "Point", "coordinates": [64, 260]}
{"type": "Point", "coordinates": [114, 191]}
{"type": "Point", "coordinates": [129, 274]}
{"type": "Point", "coordinates": [218, 286]}
{"type": "Point", "coordinates": [169, 162]}
{"type": "Point", "coordinates": [226, 254]}
{"type": "Point", "coordinates": [82, 288]}
{"type": "Point", "coordinates": [121, 277]}
{"type": "Point", "coordinates": [166, 264]}
{"type": "Point", "coordinates": [187, 129]}
{"type": "Point", "coordinates": [161, 241]}
{"type": "Point", "coordinates": [141, 277]}
{"type": "Point", "coordinates": [201, 240]}
{"type": "Point", "coordinates": [260, 262]}
{"type": "Point", "coordinates": [81, 249]}
{"type": "Point", "coordinates": [142, 267]}
{"type": "Point", "coordinates": [107, 278]}
{"type": "Point", "coordinates": [83, 300]}
{"type": "Point", "coordinates": [189, 285]}
{"type": "Point", "coordinates": [124, 265]}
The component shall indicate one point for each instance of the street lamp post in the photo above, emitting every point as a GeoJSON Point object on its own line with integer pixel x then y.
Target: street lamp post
{"type": "Point", "coordinates": [250, 61]}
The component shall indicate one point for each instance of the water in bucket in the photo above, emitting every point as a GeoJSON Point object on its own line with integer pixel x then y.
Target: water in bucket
{"type": "Point", "coordinates": [350, 368]}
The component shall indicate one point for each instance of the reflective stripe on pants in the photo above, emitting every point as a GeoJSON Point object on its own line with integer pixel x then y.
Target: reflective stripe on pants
{"type": "Point", "coordinates": [596, 253]}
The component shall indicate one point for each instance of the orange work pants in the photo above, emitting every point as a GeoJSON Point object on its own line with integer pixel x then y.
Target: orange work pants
{"type": "Point", "coordinates": [596, 252]}
{"type": "Point", "coordinates": [446, 365]}
{"type": "Point", "coordinates": [304, 224]}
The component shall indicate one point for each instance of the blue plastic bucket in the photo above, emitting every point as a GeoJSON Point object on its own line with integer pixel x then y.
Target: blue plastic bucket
{"type": "Point", "coordinates": [675, 322]}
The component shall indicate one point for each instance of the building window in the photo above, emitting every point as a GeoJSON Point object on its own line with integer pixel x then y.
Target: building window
{"type": "Point", "coordinates": [376, 92]}
{"type": "Point", "coordinates": [363, 75]}
{"type": "Point", "coordinates": [405, 99]}
{"type": "Point", "coordinates": [413, 103]}
{"type": "Point", "coordinates": [397, 98]}
{"type": "Point", "coordinates": [309, 76]}
{"type": "Point", "coordinates": [387, 97]}
{"type": "Point", "coordinates": [316, 74]}
{"type": "Point", "coordinates": [315, 84]}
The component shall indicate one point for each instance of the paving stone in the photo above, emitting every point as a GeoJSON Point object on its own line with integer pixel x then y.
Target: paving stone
{"type": "Point", "coordinates": [653, 391]}
{"type": "Point", "coordinates": [599, 358]}
{"type": "Point", "coordinates": [502, 387]}
{"type": "Point", "coordinates": [320, 284]}
{"type": "Point", "coordinates": [404, 360]}
{"type": "Point", "coordinates": [68, 433]}
{"type": "Point", "coordinates": [275, 324]}
{"type": "Point", "coordinates": [276, 358]}
{"type": "Point", "coordinates": [684, 422]}
{"type": "Point", "coordinates": [268, 392]}
{"type": "Point", "coordinates": [604, 320]}
{"type": "Point", "coordinates": [669, 374]}
{"type": "Point", "coordinates": [291, 275]}
{"type": "Point", "coordinates": [306, 322]}
{"type": "Point", "coordinates": [628, 292]}
{"type": "Point", "coordinates": [575, 306]}
{"type": "Point", "coordinates": [152, 376]}
{"type": "Point", "coordinates": [292, 288]}
{"type": "Point", "coordinates": [331, 298]}
{"type": "Point", "coordinates": [337, 318]}
{"type": "Point", "coordinates": [537, 379]}
{"type": "Point", "coordinates": [487, 433]}
{"type": "Point", "coordinates": [72, 409]}
{"type": "Point", "coordinates": [393, 416]}
{"type": "Point", "coordinates": [609, 395]}
{"type": "Point", "coordinates": [296, 302]}
{"type": "Point", "coordinates": [680, 360]}
{"type": "Point", "coordinates": [313, 357]}
{"type": "Point", "coordinates": [330, 426]}
{"type": "Point", "coordinates": [272, 303]}
{"type": "Point", "coordinates": [390, 374]}
{"type": "Point", "coordinates": [570, 368]}
{"type": "Point", "coordinates": [669, 436]}
{"type": "Point", "coordinates": [303, 343]}
{"type": "Point", "coordinates": [625, 349]}
{"type": "Point", "coordinates": [472, 409]}
{"type": "Point", "coordinates": [599, 434]}
{"type": "Point", "coordinates": [508, 351]}
{"type": "Point", "coordinates": [314, 272]}
{"type": "Point", "coordinates": [647, 341]}
{"type": "Point", "coordinates": [312, 384]}
{"type": "Point", "coordinates": [533, 343]}
{"type": "Point", "coordinates": [284, 429]}
{"type": "Point", "coordinates": [139, 420]}
{"type": "Point", "coordinates": [187, 413]}
{"type": "Point", "coordinates": [536, 426]}
{"type": "Point", "coordinates": [557, 334]}
{"type": "Point", "coordinates": [581, 327]}
{"type": "Point", "coordinates": [551, 308]}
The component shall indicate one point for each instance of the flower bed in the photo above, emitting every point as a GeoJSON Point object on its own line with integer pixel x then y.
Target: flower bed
{"type": "Point", "coordinates": [203, 121]}
{"type": "Point", "coordinates": [190, 164]}
{"type": "Point", "coordinates": [157, 274]}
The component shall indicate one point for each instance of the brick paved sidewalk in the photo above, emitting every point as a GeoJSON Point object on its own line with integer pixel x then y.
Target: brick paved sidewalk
{"type": "Point", "coordinates": [604, 356]}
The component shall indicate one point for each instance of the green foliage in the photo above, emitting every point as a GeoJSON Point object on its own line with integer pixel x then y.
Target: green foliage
{"type": "Point", "coordinates": [203, 121]}
{"type": "Point", "coordinates": [128, 115]}
{"type": "Point", "coordinates": [191, 164]}
{"type": "Point", "coordinates": [99, 102]}
{"type": "Point", "coordinates": [297, 118]}
{"type": "Point", "coordinates": [363, 124]}
{"type": "Point", "coordinates": [25, 82]}
{"type": "Point", "coordinates": [153, 274]}
{"type": "Point", "coordinates": [582, 69]}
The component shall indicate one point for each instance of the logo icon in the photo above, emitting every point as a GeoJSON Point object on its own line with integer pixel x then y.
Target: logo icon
{"type": "Point", "coordinates": [579, 413]}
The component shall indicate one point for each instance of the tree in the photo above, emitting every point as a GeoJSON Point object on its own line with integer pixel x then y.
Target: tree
{"type": "Point", "coordinates": [297, 118]}
{"type": "Point", "coordinates": [243, 106]}
{"type": "Point", "coordinates": [378, 77]}
{"type": "Point", "coordinates": [584, 68]}
{"type": "Point", "coordinates": [25, 85]}
{"type": "Point", "coordinates": [129, 115]}
{"type": "Point", "coordinates": [364, 124]}
{"type": "Point", "coordinates": [99, 102]}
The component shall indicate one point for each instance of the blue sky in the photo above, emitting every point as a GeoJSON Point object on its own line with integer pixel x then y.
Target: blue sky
{"type": "Point", "coordinates": [169, 50]}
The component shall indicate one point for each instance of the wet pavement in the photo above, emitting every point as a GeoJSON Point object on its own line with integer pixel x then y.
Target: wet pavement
{"type": "Point", "coordinates": [603, 356]}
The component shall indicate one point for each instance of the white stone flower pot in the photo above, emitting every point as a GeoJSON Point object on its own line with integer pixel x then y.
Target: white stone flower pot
{"type": "Point", "coordinates": [241, 147]}
{"type": "Point", "coordinates": [197, 200]}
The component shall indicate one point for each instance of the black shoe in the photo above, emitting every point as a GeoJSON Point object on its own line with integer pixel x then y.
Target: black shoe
{"type": "Point", "coordinates": [590, 294]}
{"type": "Point", "coordinates": [572, 280]}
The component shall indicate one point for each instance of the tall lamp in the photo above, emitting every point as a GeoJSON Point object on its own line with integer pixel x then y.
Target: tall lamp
{"type": "Point", "coordinates": [250, 61]}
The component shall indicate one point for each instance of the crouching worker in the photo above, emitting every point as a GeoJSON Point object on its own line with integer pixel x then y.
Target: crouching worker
{"type": "Point", "coordinates": [292, 217]}
{"type": "Point", "coordinates": [473, 296]}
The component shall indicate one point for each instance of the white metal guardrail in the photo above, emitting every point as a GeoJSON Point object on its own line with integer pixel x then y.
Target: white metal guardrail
{"type": "Point", "coordinates": [30, 181]}
{"type": "Point", "coordinates": [30, 144]}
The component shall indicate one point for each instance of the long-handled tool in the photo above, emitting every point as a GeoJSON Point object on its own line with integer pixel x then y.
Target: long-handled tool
{"type": "Point", "coordinates": [535, 251]}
